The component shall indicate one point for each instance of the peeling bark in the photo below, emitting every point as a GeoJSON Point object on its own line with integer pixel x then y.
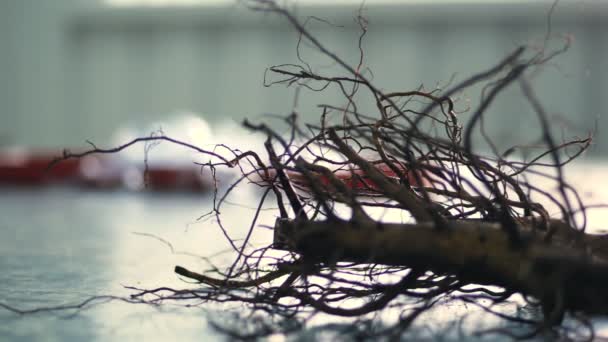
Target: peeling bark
{"type": "Point", "coordinates": [476, 251]}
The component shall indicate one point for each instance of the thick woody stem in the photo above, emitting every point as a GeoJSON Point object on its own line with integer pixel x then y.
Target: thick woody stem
{"type": "Point", "coordinates": [477, 251]}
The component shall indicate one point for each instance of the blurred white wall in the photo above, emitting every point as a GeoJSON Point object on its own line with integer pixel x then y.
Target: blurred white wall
{"type": "Point", "coordinates": [75, 70]}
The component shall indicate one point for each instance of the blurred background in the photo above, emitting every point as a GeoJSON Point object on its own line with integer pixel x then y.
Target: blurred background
{"type": "Point", "coordinates": [74, 70]}
{"type": "Point", "coordinates": [110, 70]}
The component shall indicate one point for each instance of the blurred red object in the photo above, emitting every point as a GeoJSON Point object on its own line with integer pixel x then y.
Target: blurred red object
{"type": "Point", "coordinates": [19, 167]}
{"type": "Point", "coordinates": [173, 179]}
{"type": "Point", "coordinates": [356, 179]}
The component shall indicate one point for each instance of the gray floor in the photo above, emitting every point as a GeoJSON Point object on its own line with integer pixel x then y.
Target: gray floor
{"type": "Point", "coordinates": [61, 246]}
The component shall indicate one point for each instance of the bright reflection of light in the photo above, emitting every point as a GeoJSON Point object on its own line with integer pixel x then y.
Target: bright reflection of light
{"type": "Point", "coordinates": [133, 179]}
{"type": "Point", "coordinates": [191, 129]}
{"type": "Point", "coordinates": [184, 126]}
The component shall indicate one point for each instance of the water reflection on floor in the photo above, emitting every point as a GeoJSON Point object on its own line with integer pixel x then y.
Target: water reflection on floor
{"type": "Point", "coordinates": [61, 246]}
